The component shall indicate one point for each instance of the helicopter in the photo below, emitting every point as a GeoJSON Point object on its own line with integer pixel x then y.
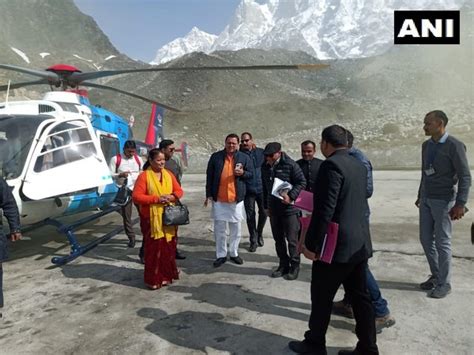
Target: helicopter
{"type": "Point", "coordinates": [54, 152]}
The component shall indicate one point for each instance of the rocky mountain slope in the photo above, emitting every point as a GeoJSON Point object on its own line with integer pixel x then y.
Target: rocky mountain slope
{"type": "Point", "coordinates": [382, 99]}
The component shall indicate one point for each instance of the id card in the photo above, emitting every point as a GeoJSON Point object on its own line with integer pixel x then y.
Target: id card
{"type": "Point", "coordinates": [430, 171]}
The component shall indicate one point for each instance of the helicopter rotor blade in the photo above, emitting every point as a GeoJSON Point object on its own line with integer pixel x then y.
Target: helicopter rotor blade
{"type": "Point", "coordinates": [23, 84]}
{"type": "Point", "coordinates": [79, 77]}
{"type": "Point", "coordinates": [50, 76]}
{"type": "Point", "coordinates": [98, 86]}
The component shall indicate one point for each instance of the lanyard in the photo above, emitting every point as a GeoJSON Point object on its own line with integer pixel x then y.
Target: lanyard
{"type": "Point", "coordinates": [432, 152]}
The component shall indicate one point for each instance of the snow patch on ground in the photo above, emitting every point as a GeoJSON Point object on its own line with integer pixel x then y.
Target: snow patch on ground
{"type": "Point", "coordinates": [21, 54]}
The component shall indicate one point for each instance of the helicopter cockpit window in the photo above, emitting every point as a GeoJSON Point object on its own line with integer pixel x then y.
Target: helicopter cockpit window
{"type": "Point", "coordinates": [16, 137]}
{"type": "Point", "coordinates": [67, 142]}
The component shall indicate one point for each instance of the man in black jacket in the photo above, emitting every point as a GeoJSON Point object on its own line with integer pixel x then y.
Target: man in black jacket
{"type": "Point", "coordinates": [340, 197]}
{"type": "Point", "coordinates": [254, 192]}
{"type": "Point", "coordinates": [309, 164]}
{"type": "Point", "coordinates": [283, 215]}
{"type": "Point", "coordinates": [10, 211]}
{"type": "Point", "coordinates": [226, 173]}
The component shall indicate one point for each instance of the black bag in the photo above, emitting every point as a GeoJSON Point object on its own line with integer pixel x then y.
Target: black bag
{"type": "Point", "coordinates": [175, 215]}
{"type": "Point", "coordinates": [123, 196]}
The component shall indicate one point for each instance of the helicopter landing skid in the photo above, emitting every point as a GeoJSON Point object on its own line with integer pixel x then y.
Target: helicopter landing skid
{"type": "Point", "coordinates": [77, 249]}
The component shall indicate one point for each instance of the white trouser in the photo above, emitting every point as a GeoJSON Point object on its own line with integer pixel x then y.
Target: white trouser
{"type": "Point", "coordinates": [221, 238]}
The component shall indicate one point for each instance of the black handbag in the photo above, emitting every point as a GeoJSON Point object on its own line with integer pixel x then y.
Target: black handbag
{"type": "Point", "coordinates": [123, 196]}
{"type": "Point", "coordinates": [175, 215]}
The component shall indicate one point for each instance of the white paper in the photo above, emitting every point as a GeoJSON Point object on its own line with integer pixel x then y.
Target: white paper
{"type": "Point", "coordinates": [280, 186]}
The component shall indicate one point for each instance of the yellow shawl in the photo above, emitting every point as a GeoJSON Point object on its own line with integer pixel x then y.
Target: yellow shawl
{"type": "Point", "coordinates": [157, 188]}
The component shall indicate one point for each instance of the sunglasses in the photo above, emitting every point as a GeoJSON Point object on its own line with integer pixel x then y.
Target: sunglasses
{"type": "Point", "coordinates": [245, 140]}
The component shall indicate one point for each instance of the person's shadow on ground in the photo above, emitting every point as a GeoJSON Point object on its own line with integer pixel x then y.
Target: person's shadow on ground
{"type": "Point", "coordinates": [230, 296]}
{"type": "Point", "coordinates": [201, 331]}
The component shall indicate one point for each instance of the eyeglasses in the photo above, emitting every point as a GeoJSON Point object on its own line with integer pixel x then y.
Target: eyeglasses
{"type": "Point", "coordinates": [245, 140]}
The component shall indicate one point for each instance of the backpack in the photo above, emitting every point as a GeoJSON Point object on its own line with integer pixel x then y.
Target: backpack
{"type": "Point", "coordinates": [119, 161]}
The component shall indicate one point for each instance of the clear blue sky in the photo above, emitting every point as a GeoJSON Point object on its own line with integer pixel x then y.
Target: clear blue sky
{"type": "Point", "coordinates": [139, 28]}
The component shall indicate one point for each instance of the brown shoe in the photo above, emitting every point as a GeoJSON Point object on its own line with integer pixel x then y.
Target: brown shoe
{"type": "Point", "coordinates": [342, 309]}
{"type": "Point", "coordinates": [384, 322]}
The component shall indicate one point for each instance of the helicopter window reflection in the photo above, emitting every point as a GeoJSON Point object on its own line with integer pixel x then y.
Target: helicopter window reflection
{"type": "Point", "coordinates": [66, 143]}
{"type": "Point", "coordinates": [16, 137]}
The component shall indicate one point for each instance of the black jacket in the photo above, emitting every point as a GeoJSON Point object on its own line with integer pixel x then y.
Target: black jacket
{"type": "Point", "coordinates": [340, 196]}
{"type": "Point", "coordinates": [310, 170]}
{"type": "Point", "coordinates": [287, 170]}
{"type": "Point", "coordinates": [254, 185]}
{"type": "Point", "coordinates": [214, 171]}
{"type": "Point", "coordinates": [9, 207]}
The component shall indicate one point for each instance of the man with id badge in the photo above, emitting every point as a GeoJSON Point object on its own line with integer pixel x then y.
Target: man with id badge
{"type": "Point", "coordinates": [444, 164]}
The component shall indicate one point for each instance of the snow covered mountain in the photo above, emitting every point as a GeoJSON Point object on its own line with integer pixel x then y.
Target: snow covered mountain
{"type": "Point", "coordinates": [326, 29]}
{"type": "Point", "coordinates": [195, 41]}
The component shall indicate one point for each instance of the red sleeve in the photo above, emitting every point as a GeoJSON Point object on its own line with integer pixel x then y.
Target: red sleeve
{"type": "Point", "coordinates": [140, 196]}
{"type": "Point", "coordinates": [177, 190]}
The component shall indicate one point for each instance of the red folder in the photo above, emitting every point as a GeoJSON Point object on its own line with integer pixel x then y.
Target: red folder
{"type": "Point", "coordinates": [330, 239]}
{"type": "Point", "coordinates": [304, 201]}
{"type": "Point", "coordinates": [330, 242]}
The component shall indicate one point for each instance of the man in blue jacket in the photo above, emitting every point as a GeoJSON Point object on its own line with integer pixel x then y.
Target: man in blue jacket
{"type": "Point", "coordinates": [10, 211]}
{"type": "Point", "coordinates": [226, 173]}
{"type": "Point", "coordinates": [254, 192]}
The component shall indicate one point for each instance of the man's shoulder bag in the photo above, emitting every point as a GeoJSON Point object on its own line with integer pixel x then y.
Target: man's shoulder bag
{"type": "Point", "coordinates": [175, 215]}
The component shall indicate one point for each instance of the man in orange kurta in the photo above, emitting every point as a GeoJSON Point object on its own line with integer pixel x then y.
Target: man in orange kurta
{"type": "Point", "coordinates": [227, 171]}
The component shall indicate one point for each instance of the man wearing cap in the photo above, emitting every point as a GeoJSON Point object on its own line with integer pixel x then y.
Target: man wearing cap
{"type": "Point", "coordinates": [283, 215]}
{"type": "Point", "coordinates": [226, 173]}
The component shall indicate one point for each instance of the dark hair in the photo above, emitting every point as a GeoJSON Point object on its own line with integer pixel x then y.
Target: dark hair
{"type": "Point", "coordinates": [335, 135]}
{"type": "Point", "coordinates": [232, 135]}
{"type": "Point", "coordinates": [350, 138]}
{"type": "Point", "coordinates": [165, 143]}
{"type": "Point", "coordinates": [130, 144]}
{"type": "Point", "coordinates": [247, 134]}
{"type": "Point", "coordinates": [309, 142]}
{"type": "Point", "coordinates": [152, 154]}
{"type": "Point", "coordinates": [439, 115]}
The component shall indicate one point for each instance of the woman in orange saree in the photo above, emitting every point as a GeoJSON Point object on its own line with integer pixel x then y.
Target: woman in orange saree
{"type": "Point", "coordinates": [156, 187]}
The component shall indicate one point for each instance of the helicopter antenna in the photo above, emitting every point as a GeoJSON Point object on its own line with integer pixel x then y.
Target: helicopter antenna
{"type": "Point", "coordinates": [8, 92]}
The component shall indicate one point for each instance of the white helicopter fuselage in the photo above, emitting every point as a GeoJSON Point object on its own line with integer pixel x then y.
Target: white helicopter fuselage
{"type": "Point", "coordinates": [51, 156]}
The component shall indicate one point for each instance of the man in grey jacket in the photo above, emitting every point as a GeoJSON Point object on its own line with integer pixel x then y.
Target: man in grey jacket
{"type": "Point", "coordinates": [444, 164]}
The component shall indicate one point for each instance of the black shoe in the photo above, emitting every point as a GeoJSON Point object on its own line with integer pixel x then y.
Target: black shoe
{"type": "Point", "coordinates": [131, 242]}
{"type": "Point", "coordinates": [219, 261]}
{"type": "Point", "coordinates": [237, 259]}
{"type": "Point", "coordinates": [179, 256]}
{"type": "Point", "coordinates": [293, 274]}
{"type": "Point", "coordinates": [142, 260]}
{"type": "Point", "coordinates": [260, 241]}
{"type": "Point", "coordinates": [253, 248]}
{"type": "Point", "coordinates": [281, 271]}
{"type": "Point", "coordinates": [303, 347]}
{"type": "Point", "coordinates": [429, 284]}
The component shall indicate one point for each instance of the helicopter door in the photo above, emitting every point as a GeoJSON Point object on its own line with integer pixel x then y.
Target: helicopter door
{"type": "Point", "coordinates": [66, 159]}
